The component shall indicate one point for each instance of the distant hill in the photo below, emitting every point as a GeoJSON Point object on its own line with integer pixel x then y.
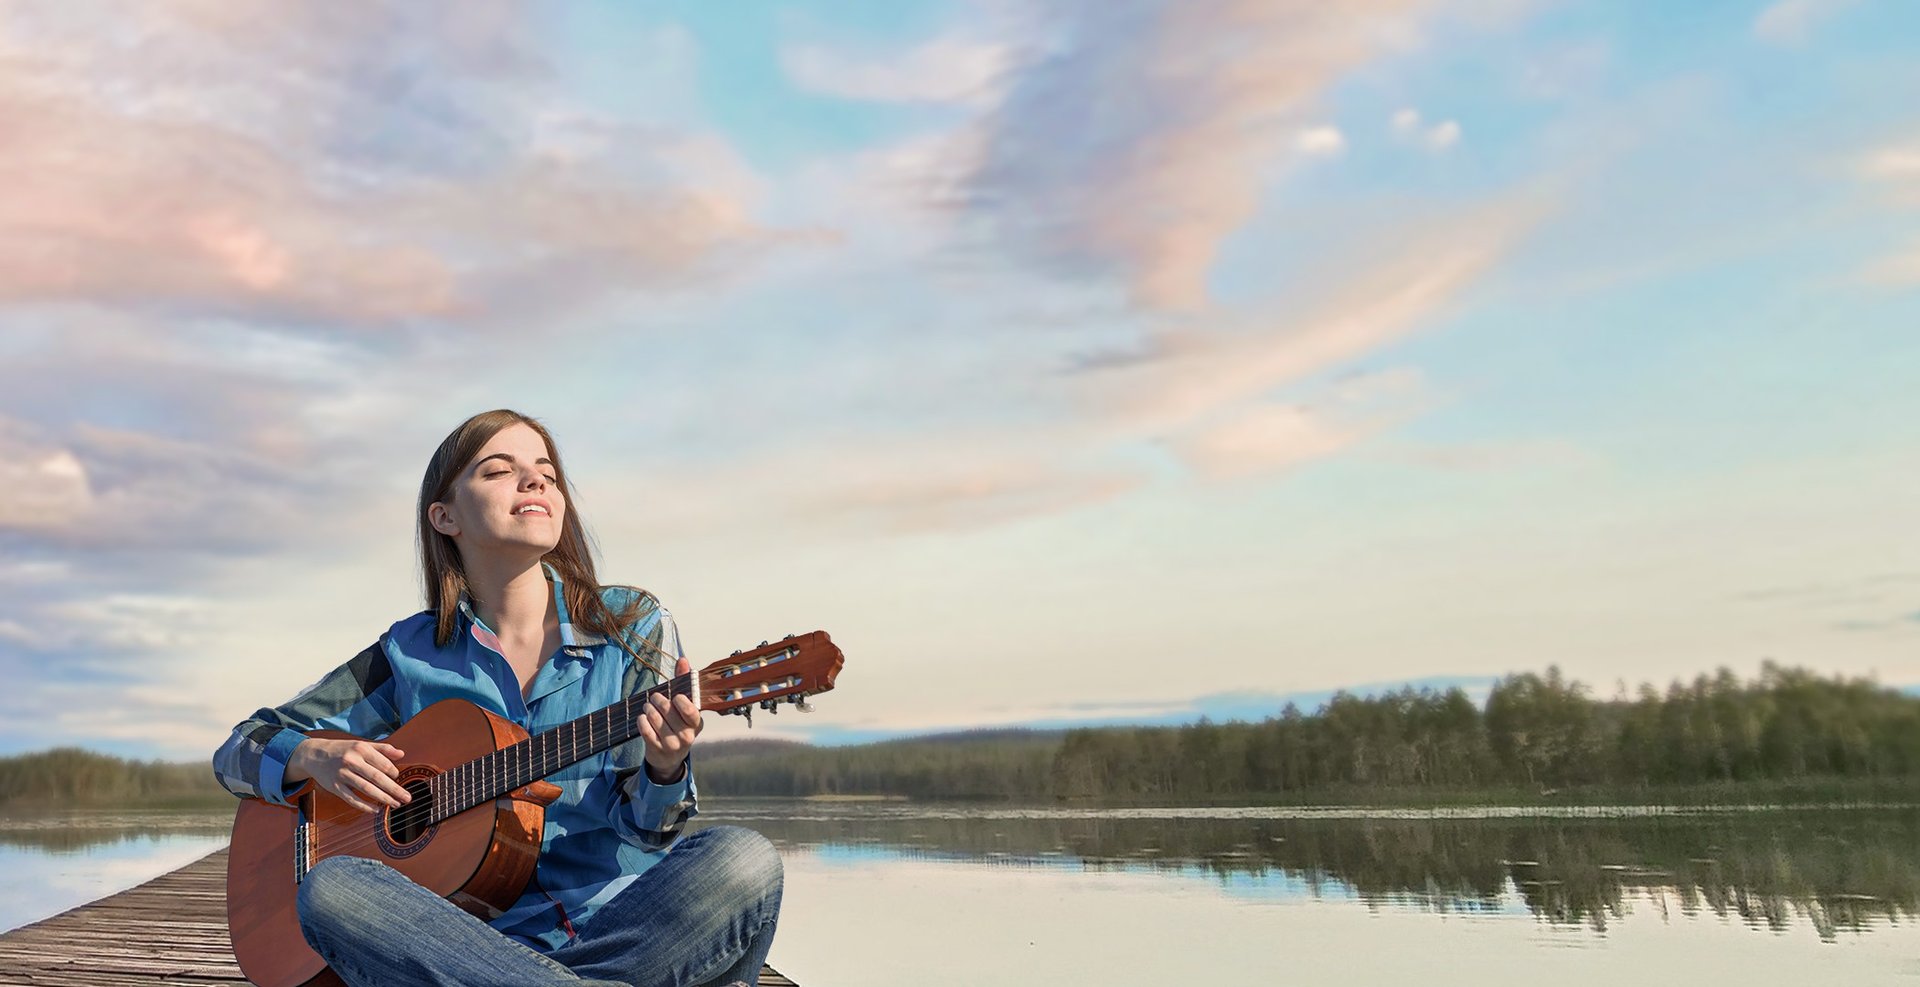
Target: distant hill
{"type": "Point", "coordinates": [709, 751]}
{"type": "Point", "coordinates": [995, 764]}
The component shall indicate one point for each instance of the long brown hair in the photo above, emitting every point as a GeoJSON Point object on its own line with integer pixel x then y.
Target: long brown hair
{"type": "Point", "coordinates": [440, 566]}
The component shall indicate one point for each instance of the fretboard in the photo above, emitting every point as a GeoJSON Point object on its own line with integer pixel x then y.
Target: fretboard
{"type": "Point", "coordinates": [490, 776]}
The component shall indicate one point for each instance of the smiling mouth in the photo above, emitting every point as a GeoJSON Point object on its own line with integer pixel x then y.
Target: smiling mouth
{"type": "Point", "coordinates": [535, 511]}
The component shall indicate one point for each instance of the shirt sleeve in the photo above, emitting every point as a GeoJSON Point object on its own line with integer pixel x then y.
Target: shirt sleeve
{"type": "Point", "coordinates": [355, 698]}
{"type": "Point", "coordinates": [647, 815]}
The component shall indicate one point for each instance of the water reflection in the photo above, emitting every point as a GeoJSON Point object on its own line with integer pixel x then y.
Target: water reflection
{"type": "Point", "coordinates": [1839, 870]}
{"type": "Point", "coordinates": [82, 830]}
{"type": "Point", "coordinates": [1834, 870]}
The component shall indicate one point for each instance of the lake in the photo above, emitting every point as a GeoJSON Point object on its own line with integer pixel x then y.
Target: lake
{"type": "Point", "coordinates": [889, 893]}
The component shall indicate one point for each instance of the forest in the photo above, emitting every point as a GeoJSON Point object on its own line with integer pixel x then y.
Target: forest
{"type": "Point", "coordinates": [1538, 735]}
{"type": "Point", "coordinates": [70, 776]}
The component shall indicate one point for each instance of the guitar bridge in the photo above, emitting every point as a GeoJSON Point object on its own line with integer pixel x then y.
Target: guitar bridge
{"type": "Point", "coordinates": [302, 845]}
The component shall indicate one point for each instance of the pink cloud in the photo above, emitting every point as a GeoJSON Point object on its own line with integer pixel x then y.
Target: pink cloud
{"type": "Point", "coordinates": [1145, 139]}
{"type": "Point", "coordinates": [371, 170]}
{"type": "Point", "coordinates": [1895, 171]}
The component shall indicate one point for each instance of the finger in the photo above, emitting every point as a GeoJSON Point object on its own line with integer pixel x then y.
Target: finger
{"type": "Point", "coordinates": [689, 713]}
{"type": "Point", "coordinates": [669, 713]}
{"type": "Point", "coordinates": [672, 726]}
{"type": "Point", "coordinates": [367, 788]}
{"type": "Point", "coordinates": [648, 733]}
{"type": "Point", "coordinates": [349, 798]}
{"type": "Point", "coordinates": [391, 788]}
{"type": "Point", "coordinates": [390, 750]}
{"type": "Point", "coordinates": [377, 760]}
{"type": "Point", "coordinates": [682, 667]}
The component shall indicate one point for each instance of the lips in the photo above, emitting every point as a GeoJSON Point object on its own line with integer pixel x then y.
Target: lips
{"type": "Point", "coordinates": [533, 508]}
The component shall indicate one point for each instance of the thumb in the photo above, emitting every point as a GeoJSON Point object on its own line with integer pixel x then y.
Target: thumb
{"type": "Point", "coordinates": [682, 667]}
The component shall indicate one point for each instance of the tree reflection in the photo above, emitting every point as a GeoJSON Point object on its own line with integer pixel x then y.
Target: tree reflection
{"type": "Point", "coordinates": [1848, 870]}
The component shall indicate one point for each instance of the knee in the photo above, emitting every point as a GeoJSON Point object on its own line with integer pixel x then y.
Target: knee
{"type": "Point", "coordinates": [745, 864]}
{"type": "Point", "coordinates": [334, 896]}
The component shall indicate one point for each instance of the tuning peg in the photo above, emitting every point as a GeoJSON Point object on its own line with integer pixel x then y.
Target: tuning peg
{"type": "Point", "coordinates": [736, 651]}
{"type": "Point", "coordinates": [763, 644]}
{"type": "Point", "coordinates": [802, 705]}
{"type": "Point", "coordinates": [787, 638]}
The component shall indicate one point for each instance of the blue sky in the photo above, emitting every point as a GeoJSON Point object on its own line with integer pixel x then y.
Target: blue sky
{"type": "Point", "coordinates": [1070, 362]}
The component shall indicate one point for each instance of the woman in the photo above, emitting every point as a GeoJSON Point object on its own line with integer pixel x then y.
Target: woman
{"type": "Point", "coordinates": [517, 623]}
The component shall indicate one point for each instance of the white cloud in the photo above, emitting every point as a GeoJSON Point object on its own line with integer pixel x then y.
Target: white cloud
{"type": "Point", "coordinates": [1323, 141]}
{"type": "Point", "coordinates": [1899, 167]}
{"type": "Point", "coordinates": [1408, 125]}
{"type": "Point", "coordinates": [46, 485]}
{"type": "Point", "coordinates": [944, 70]}
{"type": "Point", "coordinates": [1898, 269]}
{"type": "Point", "coordinates": [1791, 21]}
{"type": "Point", "coordinates": [1895, 170]}
{"type": "Point", "coordinates": [1264, 439]}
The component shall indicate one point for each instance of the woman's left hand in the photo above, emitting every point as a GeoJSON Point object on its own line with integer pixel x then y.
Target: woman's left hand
{"type": "Point", "coordinates": [668, 729]}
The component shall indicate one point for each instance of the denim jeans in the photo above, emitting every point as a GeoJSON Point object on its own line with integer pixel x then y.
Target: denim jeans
{"type": "Point", "coordinates": [704, 914]}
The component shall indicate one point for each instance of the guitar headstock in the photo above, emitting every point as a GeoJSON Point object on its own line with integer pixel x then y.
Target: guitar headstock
{"type": "Point", "coordinates": [784, 671]}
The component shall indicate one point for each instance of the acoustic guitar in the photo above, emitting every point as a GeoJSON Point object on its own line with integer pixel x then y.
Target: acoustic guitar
{"type": "Point", "coordinates": [472, 830]}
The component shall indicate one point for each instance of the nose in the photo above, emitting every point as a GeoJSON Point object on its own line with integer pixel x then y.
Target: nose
{"type": "Point", "coordinates": [532, 479]}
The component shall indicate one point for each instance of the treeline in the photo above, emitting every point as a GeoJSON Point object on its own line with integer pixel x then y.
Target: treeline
{"type": "Point", "coordinates": [1536, 733]}
{"type": "Point", "coordinates": [68, 776]}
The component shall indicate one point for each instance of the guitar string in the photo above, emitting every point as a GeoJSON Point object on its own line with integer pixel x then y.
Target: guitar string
{"type": "Point", "coordinates": [367, 830]}
{"type": "Point", "coordinates": [462, 792]}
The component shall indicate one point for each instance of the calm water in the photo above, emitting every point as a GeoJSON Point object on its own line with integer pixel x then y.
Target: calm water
{"type": "Point", "coordinates": [891, 893]}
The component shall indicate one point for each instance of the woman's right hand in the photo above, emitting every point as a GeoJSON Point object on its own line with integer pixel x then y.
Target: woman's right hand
{"type": "Point", "coordinates": [360, 772]}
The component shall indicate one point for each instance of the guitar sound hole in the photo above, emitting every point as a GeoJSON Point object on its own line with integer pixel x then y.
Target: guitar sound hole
{"type": "Point", "coordinates": [406, 823]}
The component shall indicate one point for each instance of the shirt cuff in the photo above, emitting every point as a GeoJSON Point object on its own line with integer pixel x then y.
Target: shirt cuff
{"type": "Point", "coordinates": [661, 808]}
{"type": "Point", "coordinates": [273, 765]}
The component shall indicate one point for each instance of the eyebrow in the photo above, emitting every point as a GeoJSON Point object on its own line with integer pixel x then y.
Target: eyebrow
{"type": "Point", "coordinates": [509, 458]}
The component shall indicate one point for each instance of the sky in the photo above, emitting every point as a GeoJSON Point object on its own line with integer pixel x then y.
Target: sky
{"type": "Point", "coordinates": [1068, 362]}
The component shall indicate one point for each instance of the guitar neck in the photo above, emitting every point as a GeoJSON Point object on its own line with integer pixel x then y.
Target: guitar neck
{"type": "Point", "coordinates": [490, 776]}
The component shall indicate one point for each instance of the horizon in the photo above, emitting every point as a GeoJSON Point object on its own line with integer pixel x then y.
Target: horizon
{"type": "Point", "coordinates": [1064, 367]}
{"type": "Point", "coordinates": [1240, 707]}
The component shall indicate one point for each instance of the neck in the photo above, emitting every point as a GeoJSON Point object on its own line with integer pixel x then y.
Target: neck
{"type": "Point", "coordinates": [512, 599]}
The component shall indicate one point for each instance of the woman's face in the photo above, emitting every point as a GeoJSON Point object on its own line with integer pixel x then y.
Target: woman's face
{"type": "Point", "coordinates": [506, 501]}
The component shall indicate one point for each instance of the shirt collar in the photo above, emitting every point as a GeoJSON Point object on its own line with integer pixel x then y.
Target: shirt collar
{"type": "Point", "coordinates": [573, 642]}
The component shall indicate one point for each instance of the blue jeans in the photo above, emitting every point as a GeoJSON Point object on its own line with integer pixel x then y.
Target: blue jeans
{"type": "Point", "coordinates": [704, 914]}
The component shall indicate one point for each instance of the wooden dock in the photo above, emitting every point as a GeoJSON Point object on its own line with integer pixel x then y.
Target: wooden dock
{"type": "Point", "coordinates": [171, 930]}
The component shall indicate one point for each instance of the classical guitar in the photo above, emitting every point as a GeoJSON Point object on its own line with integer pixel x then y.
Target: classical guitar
{"type": "Point", "coordinates": [472, 830]}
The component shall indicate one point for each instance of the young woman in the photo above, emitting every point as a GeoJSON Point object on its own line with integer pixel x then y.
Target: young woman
{"type": "Point", "coordinates": [517, 623]}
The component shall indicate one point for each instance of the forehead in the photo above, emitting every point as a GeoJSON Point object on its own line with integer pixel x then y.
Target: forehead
{"type": "Point", "coordinates": [517, 440]}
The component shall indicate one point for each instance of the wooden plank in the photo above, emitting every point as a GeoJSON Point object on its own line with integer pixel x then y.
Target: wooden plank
{"type": "Point", "coordinates": [169, 931]}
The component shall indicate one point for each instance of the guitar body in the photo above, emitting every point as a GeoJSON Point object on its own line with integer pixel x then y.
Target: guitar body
{"type": "Point", "coordinates": [481, 858]}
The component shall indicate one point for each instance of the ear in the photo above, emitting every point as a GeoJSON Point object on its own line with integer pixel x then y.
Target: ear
{"type": "Point", "coordinates": [442, 520]}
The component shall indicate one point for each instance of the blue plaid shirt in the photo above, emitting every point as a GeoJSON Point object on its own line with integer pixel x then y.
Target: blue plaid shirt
{"type": "Point", "coordinates": [610, 822]}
